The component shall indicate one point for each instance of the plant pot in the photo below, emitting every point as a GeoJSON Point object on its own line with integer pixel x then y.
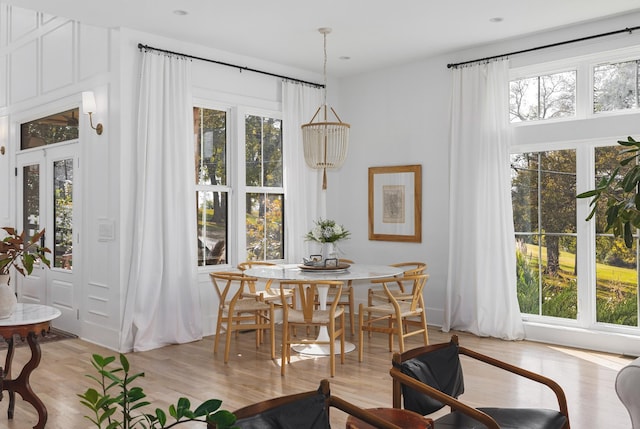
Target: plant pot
{"type": "Point", "coordinates": [8, 301]}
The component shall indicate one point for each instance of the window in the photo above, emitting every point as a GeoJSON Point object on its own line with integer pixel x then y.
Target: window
{"type": "Point", "coordinates": [615, 86]}
{"type": "Point", "coordinates": [543, 97]}
{"type": "Point", "coordinates": [212, 190]}
{"type": "Point", "coordinates": [223, 188]}
{"type": "Point", "coordinates": [265, 192]}
{"type": "Point", "coordinates": [50, 129]}
{"type": "Point", "coordinates": [544, 206]}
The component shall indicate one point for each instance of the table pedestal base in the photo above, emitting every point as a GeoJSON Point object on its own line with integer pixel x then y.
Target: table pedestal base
{"type": "Point", "coordinates": [21, 384]}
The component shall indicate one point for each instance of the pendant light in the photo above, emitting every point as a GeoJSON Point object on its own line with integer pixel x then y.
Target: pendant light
{"type": "Point", "coordinates": [325, 143]}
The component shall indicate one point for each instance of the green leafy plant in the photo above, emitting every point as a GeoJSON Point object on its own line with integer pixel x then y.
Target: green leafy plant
{"type": "Point", "coordinates": [620, 193]}
{"type": "Point", "coordinates": [18, 252]}
{"type": "Point", "coordinates": [117, 393]}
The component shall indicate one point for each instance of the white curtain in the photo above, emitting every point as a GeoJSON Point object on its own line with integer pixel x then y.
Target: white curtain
{"type": "Point", "coordinates": [481, 292]}
{"type": "Point", "coordinates": [306, 201]}
{"type": "Point", "coordinates": [162, 304]}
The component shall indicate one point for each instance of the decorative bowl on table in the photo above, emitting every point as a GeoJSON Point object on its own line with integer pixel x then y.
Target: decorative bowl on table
{"type": "Point", "coordinates": [316, 263]}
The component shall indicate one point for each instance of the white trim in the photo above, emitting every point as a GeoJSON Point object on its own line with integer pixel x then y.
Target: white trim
{"type": "Point", "coordinates": [610, 342]}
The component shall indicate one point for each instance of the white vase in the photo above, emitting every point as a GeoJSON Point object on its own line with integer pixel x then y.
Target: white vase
{"type": "Point", "coordinates": [329, 251]}
{"type": "Point", "coordinates": [8, 301]}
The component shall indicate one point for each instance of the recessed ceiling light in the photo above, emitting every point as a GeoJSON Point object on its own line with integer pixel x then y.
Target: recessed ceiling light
{"type": "Point", "coordinates": [180, 12]}
{"type": "Point", "coordinates": [496, 19]}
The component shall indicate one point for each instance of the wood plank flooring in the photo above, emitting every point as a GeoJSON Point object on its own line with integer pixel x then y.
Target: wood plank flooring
{"type": "Point", "coordinates": [192, 370]}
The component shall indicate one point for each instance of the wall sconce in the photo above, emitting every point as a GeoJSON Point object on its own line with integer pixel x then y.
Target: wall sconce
{"type": "Point", "coordinates": [89, 107]}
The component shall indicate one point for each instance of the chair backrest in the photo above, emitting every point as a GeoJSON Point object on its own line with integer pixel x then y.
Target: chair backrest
{"type": "Point", "coordinates": [307, 293]}
{"type": "Point", "coordinates": [417, 281]}
{"type": "Point", "coordinates": [229, 286]}
{"type": "Point", "coordinates": [411, 268]}
{"type": "Point", "coordinates": [301, 410]}
{"type": "Point", "coordinates": [437, 366]}
{"type": "Point", "coordinates": [243, 266]}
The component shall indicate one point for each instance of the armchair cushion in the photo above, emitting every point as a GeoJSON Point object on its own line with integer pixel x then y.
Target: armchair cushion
{"type": "Point", "coordinates": [508, 418]}
{"type": "Point", "coordinates": [440, 369]}
{"type": "Point", "coordinates": [309, 412]}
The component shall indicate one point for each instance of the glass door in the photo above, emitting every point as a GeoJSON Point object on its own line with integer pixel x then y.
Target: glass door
{"type": "Point", "coordinates": [48, 198]}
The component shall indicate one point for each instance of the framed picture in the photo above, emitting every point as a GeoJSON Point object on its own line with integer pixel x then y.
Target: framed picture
{"type": "Point", "coordinates": [395, 203]}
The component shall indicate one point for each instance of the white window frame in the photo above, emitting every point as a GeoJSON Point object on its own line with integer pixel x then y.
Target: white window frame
{"type": "Point", "coordinates": [585, 331]}
{"type": "Point", "coordinates": [236, 172]}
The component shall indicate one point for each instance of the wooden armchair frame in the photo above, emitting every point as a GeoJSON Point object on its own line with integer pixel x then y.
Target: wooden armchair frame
{"type": "Point", "coordinates": [400, 379]}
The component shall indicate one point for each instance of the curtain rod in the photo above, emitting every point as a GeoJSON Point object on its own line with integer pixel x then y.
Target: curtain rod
{"type": "Point", "coordinates": [241, 68]}
{"type": "Point", "coordinates": [537, 48]}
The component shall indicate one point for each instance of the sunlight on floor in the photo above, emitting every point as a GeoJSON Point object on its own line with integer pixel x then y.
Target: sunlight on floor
{"type": "Point", "coordinates": [611, 361]}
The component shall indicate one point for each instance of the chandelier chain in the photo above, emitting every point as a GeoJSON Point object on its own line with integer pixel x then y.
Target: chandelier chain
{"type": "Point", "coordinates": [325, 68]}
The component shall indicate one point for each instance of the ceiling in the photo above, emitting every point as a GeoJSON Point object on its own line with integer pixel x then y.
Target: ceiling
{"type": "Point", "coordinates": [373, 34]}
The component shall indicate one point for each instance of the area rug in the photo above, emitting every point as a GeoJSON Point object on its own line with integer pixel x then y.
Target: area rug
{"type": "Point", "coordinates": [53, 335]}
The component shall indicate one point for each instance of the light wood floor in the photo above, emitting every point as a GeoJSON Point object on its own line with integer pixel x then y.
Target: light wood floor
{"type": "Point", "coordinates": [192, 370]}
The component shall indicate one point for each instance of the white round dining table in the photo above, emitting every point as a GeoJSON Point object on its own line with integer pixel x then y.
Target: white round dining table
{"type": "Point", "coordinates": [281, 272]}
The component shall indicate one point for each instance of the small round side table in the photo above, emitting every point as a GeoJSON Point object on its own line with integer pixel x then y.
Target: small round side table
{"type": "Point", "coordinates": [28, 321]}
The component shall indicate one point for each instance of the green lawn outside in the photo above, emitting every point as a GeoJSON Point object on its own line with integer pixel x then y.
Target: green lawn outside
{"type": "Point", "coordinates": [604, 273]}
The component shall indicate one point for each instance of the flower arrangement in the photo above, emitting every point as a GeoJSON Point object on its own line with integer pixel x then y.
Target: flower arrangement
{"type": "Point", "coordinates": [327, 231]}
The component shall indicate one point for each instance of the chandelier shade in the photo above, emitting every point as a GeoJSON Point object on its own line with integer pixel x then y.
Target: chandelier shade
{"type": "Point", "coordinates": [325, 143]}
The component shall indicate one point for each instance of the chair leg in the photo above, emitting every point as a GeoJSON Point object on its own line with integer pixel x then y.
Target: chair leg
{"type": "Point", "coordinates": [218, 329]}
{"type": "Point", "coordinates": [285, 346]}
{"type": "Point", "coordinates": [360, 332]}
{"type": "Point", "coordinates": [351, 311]}
{"type": "Point", "coordinates": [342, 333]}
{"type": "Point", "coordinates": [400, 326]}
{"type": "Point", "coordinates": [332, 346]}
{"type": "Point", "coordinates": [272, 329]}
{"type": "Point", "coordinates": [369, 304]}
{"type": "Point", "coordinates": [227, 345]}
{"type": "Point", "coordinates": [425, 333]}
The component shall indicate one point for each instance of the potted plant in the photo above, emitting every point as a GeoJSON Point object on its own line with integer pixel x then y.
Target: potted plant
{"type": "Point", "coordinates": [620, 193]}
{"type": "Point", "coordinates": [19, 253]}
{"type": "Point", "coordinates": [115, 403]}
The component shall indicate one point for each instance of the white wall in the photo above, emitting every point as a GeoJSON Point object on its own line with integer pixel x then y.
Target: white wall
{"type": "Point", "coordinates": [398, 116]}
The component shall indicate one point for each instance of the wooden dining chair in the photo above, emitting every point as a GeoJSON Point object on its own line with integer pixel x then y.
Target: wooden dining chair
{"type": "Point", "coordinates": [346, 298]}
{"type": "Point", "coordinates": [236, 312]}
{"type": "Point", "coordinates": [332, 319]}
{"type": "Point", "coordinates": [396, 316]}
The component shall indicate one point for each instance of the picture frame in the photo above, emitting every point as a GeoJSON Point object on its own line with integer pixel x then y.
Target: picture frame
{"type": "Point", "coordinates": [395, 203]}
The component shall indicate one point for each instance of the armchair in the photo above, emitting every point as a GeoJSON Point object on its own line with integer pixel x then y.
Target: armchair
{"type": "Point", "coordinates": [429, 378]}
